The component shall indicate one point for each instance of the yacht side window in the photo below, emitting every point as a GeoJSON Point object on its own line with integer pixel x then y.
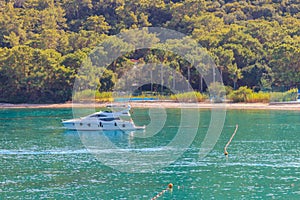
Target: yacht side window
{"type": "Point", "coordinates": [109, 119]}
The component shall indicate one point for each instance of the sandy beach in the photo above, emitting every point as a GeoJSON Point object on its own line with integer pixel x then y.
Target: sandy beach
{"type": "Point", "coordinates": [241, 106]}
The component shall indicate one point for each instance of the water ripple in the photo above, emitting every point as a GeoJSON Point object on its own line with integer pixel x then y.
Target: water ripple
{"type": "Point", "coordinates": [52, 152]}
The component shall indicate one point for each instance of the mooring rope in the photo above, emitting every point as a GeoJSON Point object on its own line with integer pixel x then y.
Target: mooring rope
{"type": "Point", "coordinates": [170, 187]}
{"type": "Point", "coordinates": [225, 148]}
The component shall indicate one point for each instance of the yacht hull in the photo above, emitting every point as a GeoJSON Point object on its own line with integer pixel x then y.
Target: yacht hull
{"type": "Point", "coordinates": [98, 126]}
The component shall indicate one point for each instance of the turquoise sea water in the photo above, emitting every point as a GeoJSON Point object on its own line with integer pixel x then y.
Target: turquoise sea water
{"type": "Point", "coordinates": [40, 160]}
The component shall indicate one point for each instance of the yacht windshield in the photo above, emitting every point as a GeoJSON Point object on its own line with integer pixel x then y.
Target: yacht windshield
{"type": "Point", "coordinates": [110, 119]}
{"type": "Point", "coordinates": [98, 115]}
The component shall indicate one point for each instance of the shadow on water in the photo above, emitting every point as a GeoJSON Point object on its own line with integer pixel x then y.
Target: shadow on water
{"type": "Point", "coordinates": [120, 138]}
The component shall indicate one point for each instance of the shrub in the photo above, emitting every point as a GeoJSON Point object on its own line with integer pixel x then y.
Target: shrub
{"type": "Point", "coordinates": [217, 92]}
{"type": "Point", "coordinates": [276, 97]}
{"type": "Point", "coordinates": [290, 95]}
{"type": "Point", "coordinates": [241, 94]}
{"type": "Point", "coordinates": [189, 97]}
{"type": "Point", "coordinates": [103, 96]}
{"type": "Point", "coordinates": [91, 95]}
{"type": "Point", "coordinates": [85, 94]}
{"type": "Point", "coordinates": [262, 97]}
{"type": "Point", "coordinates": [228, 89]}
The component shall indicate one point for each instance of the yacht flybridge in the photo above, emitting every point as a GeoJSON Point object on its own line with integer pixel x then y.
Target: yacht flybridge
{"type": "Point", "coordinates": [103, 120]}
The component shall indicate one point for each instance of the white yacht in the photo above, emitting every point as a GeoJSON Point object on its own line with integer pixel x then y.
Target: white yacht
{"type": "Point", "coordinates": [103, 120]}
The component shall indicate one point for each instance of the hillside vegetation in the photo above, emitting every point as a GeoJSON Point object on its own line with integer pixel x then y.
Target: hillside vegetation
{"type": "Point", "coordinates": [44, 42]}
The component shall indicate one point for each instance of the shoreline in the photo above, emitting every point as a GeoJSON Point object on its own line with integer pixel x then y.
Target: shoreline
{"type": "Point", "coordinates": [227, 106]}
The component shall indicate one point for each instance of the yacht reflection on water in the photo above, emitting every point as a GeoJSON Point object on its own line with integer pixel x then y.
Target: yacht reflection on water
{"type": "Point", "coordinates": [107, 139]}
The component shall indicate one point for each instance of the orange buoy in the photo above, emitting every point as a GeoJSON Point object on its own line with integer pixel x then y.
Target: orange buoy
{"type": "Point", "coordinates": [170, 186]}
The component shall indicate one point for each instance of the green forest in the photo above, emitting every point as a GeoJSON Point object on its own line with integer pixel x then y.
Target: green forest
{"type": "Point", "coordinates": [44, 42]}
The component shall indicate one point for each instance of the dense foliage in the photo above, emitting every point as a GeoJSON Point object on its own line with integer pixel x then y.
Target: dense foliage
{"type": "Point", "coordinates": [44, 42]}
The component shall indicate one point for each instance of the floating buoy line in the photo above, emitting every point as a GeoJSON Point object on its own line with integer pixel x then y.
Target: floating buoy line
{"type": "Point", "coordinates": [169, 188]}
{"type": "Point", "coordinates": [225, 148]}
